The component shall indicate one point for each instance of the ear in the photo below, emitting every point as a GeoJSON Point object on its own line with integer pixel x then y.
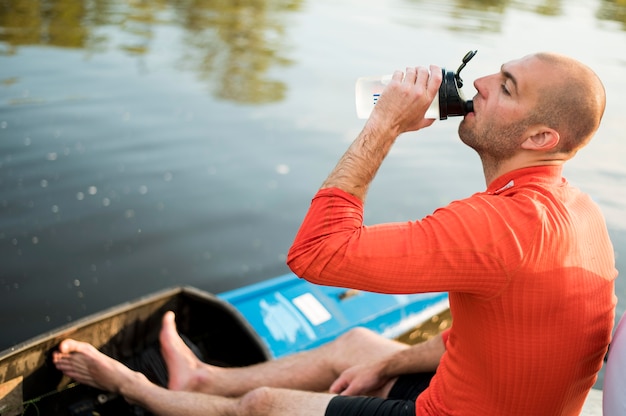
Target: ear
{"type": "Point", "coordinates": [543, 138]}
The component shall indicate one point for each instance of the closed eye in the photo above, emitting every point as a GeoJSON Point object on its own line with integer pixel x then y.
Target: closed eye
{"type": "Point", "coordinates": [508, 79]}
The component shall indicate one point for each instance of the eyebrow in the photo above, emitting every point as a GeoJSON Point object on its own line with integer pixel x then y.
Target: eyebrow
{"type": "Point", "coordinates": [510, 76]}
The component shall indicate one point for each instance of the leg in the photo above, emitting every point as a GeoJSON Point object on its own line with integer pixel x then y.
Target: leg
{"type": "Point", "coordinates": [267, 401]}
{"type": "Point", "coordinates": [313, 370]}
{"type": "Point", "coordinates": [87, 365]}
{"type": "Point", "coordinates": [263, 401]}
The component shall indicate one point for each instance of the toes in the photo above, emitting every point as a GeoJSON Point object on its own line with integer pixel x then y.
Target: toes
{"type": "Point", "coordinates": [69, 345]}
{"type": "Point", "coordinates": [169, 320]}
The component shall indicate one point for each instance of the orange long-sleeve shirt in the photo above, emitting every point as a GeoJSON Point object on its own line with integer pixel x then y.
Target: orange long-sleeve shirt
{"type": "Point", "coordinates": [530, 272]}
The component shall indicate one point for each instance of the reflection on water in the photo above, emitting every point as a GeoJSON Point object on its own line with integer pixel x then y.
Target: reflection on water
{"type": "Point", "coordinates": [489, 15]}
{"type": "Point", "coordinates": [67, 24]}
{"type": "Point", "coordinates": [546, 8]}
{"type": "Point", "coordinates": [613, 10]}
{"type": "Point", "coordinates": [479, 15]}
{"type": "Point", "coordinates": [457, 16]}
{"type": "Point", "coordinates": [233, 45]}
{"type": "Point", "coordinates": [236, 44]}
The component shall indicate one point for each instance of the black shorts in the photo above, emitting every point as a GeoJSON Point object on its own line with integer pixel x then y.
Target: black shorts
{"type": "Point", "coordinates": [401, 400]}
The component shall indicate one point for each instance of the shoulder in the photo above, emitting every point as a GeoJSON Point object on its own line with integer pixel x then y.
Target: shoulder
{"type": "Point", "coordinates": [492, 208]}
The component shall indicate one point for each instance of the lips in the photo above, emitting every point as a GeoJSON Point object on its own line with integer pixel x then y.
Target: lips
{"type": "Point", "coordinates": [475, 100]}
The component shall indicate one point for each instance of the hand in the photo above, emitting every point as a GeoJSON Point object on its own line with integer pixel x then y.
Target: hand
{"type": "Point", "coordinates": [363, 379]}
{"type": "Point", "coordinates": [405, 100]}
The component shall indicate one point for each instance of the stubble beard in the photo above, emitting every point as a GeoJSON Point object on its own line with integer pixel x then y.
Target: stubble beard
{"type": "Point", "coordinates": [491, 142]}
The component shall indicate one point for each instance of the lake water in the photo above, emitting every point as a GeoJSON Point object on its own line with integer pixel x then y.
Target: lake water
{"type": "Point", "coordinates": [150, 144]}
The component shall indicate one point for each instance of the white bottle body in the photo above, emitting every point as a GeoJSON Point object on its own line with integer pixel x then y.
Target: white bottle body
{"type": "Point", "coordinates": [368, 90]}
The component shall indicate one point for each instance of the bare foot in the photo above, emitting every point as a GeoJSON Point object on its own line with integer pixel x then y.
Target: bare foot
{"type": "Point", "coordinates": [85, 364]}
{"type": "Point", "coordinates": [186, 371]}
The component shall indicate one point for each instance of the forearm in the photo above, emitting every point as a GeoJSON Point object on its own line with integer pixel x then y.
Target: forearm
{"type": "Point", "coordinates": [422, 357]}
{"type": "Point", "coordinates": [401, 108]}
{"type": "Point", "coordinates": [356, 169]}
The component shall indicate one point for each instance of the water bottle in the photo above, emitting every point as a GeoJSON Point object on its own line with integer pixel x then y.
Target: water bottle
{"type": "Point", "coordinates": [368, 90]}
{"type": "Point", "coordinates": [449, 102]}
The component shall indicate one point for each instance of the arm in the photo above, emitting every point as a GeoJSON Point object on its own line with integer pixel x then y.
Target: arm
{"type": "Point", "coordinates": [401, 108]}
{"type": "Point", "coordinates": [371, 377]}
{"type": "Point", "coordinates": [333, 247]}
{"type": "Point", "coordinates": [444, 252]}
{"type": "Point", "coordinates": [419, 358]}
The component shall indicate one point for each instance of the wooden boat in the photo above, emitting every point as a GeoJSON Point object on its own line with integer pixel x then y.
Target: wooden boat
{"type": "Point", "coordinates": [241, 327]}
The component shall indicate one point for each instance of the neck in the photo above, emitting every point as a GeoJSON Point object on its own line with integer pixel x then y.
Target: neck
{"type": "Point", "coordinates": [492, 169]}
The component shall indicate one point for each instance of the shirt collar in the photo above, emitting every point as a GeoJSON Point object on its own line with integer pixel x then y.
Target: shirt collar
{"type": "Point", "coordinates": [537, 174]}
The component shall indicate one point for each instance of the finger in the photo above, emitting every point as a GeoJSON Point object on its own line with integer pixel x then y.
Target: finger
{"type": "Point", "coordinates": [427, 122]}
{"type": "Point", "coordinates": [398, 76]}
{"type": "Point", "coordinates": [338, 386]}
{"type": "Point", "coordinates": [434, 81]}
{"type": "Point", "coordinates": [410, 76]}
{"type": "Point", "coordinates": [349, 391]}
{"type": "Point", "coordinates": [423, 74]}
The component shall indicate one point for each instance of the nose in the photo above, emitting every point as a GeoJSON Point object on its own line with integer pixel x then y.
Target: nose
{"type": "Point", "coordinates": [480, 85]}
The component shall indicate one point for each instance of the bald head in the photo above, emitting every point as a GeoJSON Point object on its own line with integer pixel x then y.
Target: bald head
{"type": "Point", "coordinates": [573, 103]}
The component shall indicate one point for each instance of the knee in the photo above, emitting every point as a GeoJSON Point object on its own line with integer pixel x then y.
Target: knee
{"type": "Point", "coordinates": [257, 402]}
{"type": "Point", "coordinates": [356, 337]}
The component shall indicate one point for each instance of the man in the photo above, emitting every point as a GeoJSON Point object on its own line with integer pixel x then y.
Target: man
{"type": "Point", "coordinates": [528, 264]}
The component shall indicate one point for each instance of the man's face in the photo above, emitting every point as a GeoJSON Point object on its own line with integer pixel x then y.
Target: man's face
{"type": "Point", "coordinates": [502, 105]}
